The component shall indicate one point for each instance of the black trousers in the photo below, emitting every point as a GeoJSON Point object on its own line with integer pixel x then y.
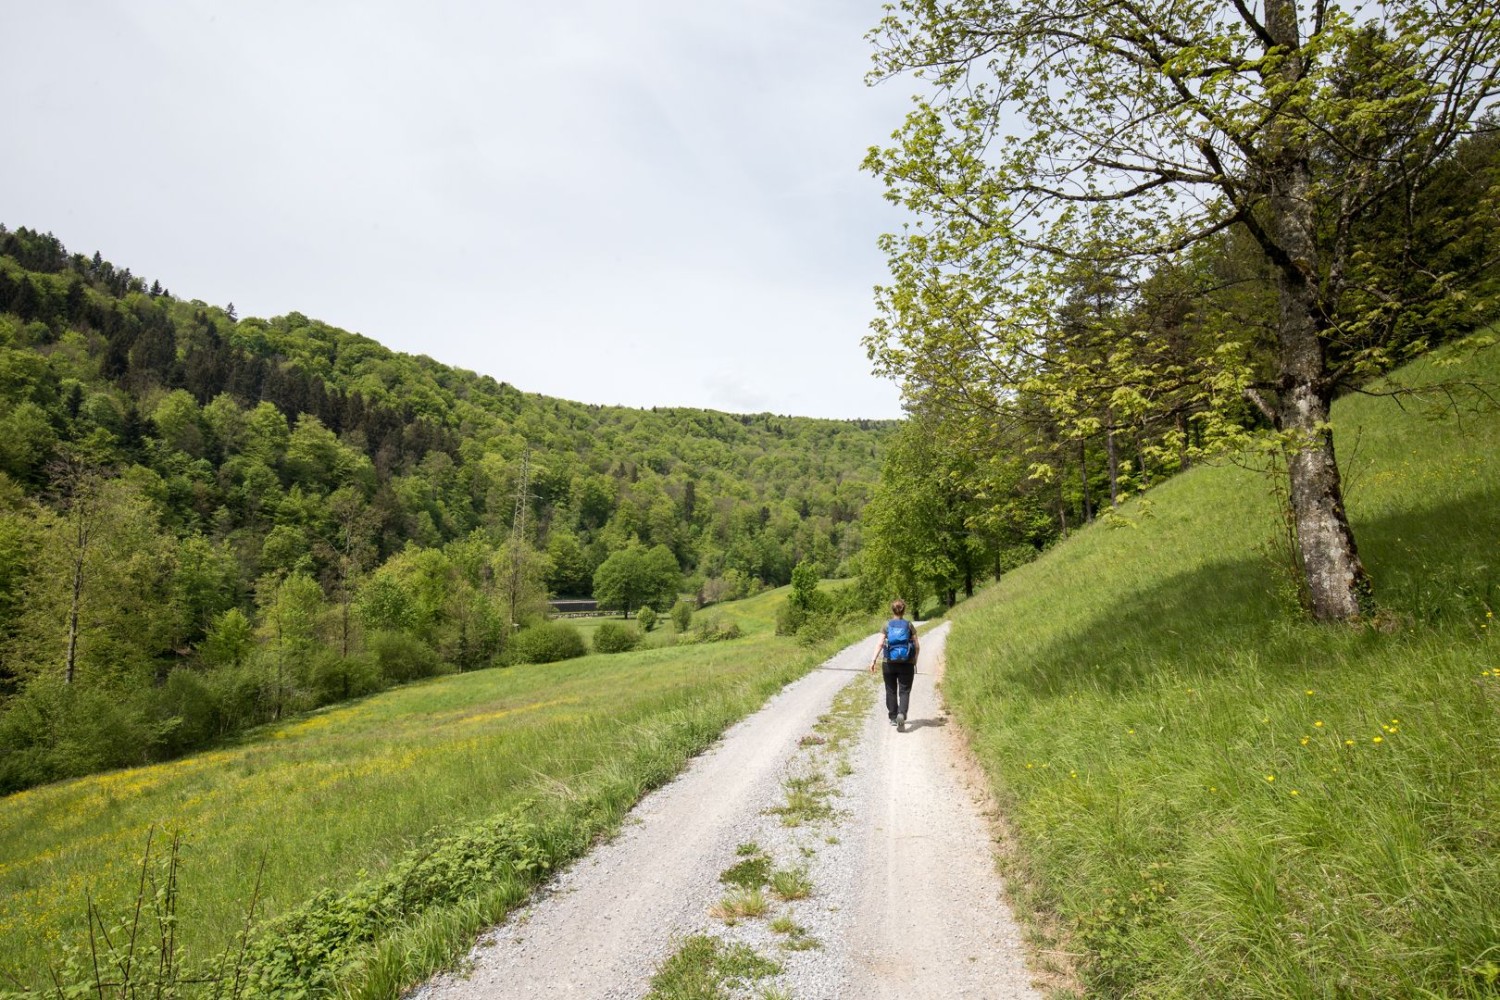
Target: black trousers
{"type": "Point", "coordinates": [898, 677]}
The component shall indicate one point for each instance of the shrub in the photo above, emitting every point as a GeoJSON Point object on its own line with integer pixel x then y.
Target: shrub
{"type": "Point", "coordinates": [713, 630]}
{"type": "Point", "coordinates": [547, 642]}
{"type": "Point", "coordinates": [190, 697]}
{"type": "Point", "coordinates": [647, 617]}
{"type": "Point", "coordinates": [817, 627]}
{"type": "Point", "coordinates": [400, 657]}
{"type": "Point", "coordinates": [682, 615]}
{"type": "Point", "coordinates": [612, 637]}
{"type": "Point", "coordinates": [336, 678]}
{"type": "Point", "coordinates": [53, 731]}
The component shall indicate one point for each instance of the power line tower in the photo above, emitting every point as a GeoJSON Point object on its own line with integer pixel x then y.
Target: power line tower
{"type": "Point", "coordinates": [518, 536]}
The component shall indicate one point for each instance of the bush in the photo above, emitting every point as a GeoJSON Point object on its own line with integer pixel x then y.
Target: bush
{"type": "Point", "coordinates": [817, 627]}
{"type": "Point", "coordinates": [612, 637]}
{"type": "Point", "coordinates": [400, 657]}
{"type": "Point", "coordinates": [547, 642]}
{"type": "Point", "coordinates": [646, 617]}
{"type": "Point", "coordinates": [52, 731]}
{"type": "Point", "coordinates": [189, 697]}
{"type": "Point", "coordinates": [337, 678]}
{"type": "Point", "coordinates": [713, 630]}
{"type": "Point", "coordinates": [682, 615]}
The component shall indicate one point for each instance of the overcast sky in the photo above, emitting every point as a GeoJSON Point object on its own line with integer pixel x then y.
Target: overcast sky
{"type": "Point", "coordinates": [644, 203]}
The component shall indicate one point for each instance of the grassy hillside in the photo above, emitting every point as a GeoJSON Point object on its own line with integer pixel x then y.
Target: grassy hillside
{"type": "Point", "coordinates": [1218, 799]}
{"type": "Point", "coordinates": [552, 755]}
{"type": "Point", "coordinates": [224, 473]}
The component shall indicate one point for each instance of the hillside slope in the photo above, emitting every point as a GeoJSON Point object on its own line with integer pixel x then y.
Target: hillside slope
{"type": "Point", "coordinates": [208, 522]}
{"type": "Point", "coordinates": [1215, 798]}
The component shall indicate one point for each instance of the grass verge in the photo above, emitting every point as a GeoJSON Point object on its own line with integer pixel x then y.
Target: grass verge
{"type": "Point", "coordinates": [1217, 798]}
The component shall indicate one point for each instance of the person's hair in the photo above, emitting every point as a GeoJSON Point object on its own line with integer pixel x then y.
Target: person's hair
{"type": "Point", "coordinates": [898, 607]}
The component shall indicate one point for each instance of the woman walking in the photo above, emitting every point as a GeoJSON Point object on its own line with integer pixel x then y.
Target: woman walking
{"type": "Point", "coordinates": [898, 641]}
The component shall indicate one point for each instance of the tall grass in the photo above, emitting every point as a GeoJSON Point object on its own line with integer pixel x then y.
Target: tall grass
{"type": "Point", "coordinates": [1221, 799]}
{"type": "Point", "coordinates": [334, 799]}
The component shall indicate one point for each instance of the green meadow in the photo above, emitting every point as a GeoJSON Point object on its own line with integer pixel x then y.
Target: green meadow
{"type": "Point", "coordinates": [1212, 796]}
{"type": "Point", "coordinates": [334, 799]}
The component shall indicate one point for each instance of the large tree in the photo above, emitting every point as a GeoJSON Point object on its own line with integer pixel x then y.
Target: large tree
{"type": "Point", "coordinates": [1120, 134]}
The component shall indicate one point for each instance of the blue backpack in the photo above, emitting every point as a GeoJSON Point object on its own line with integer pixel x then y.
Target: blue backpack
{"type": "Point", "coordinates": [898, 640]}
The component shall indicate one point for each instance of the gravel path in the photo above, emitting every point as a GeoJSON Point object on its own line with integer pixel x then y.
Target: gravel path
{"type": "Point", "coordinates": [905, 901]}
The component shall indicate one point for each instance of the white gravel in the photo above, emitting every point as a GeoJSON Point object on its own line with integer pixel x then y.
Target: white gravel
{"type": "Point", "coordinates": [906, 899]}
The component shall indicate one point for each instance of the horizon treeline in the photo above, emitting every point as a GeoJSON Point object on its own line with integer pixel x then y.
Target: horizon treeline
{"type": "Point", "coordinates": [208, 522]}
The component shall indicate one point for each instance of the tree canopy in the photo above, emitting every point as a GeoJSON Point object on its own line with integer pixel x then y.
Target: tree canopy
{"type": "Point", "coordinates": [1116, 149]}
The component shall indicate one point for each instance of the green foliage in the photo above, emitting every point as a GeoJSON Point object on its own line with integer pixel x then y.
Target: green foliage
{"type": "Point", "coordinates": [805, 601]}
{"type": "Point", "coordinates": [932, 526]}
{"type": "Point", "coordinates": [1220, 800]}
{"type": "Point", "coordinates": [1157, 251]}
{"type": "Point", "coordinates": [682, 616]}
{"type": "Point", "coordinates": [547, 642]}
{"type": "Point", "coordinates": [400, 656]}
{"type": "Point", "coordinates": [216, 456]}
{"type": "Point", "coordinates": [229, 640]}
{"type": "Point", "coordinates": [710, 628]}
{"type": "Point", "coordinates": [636, 577]}
{"type": "Point", "coordinates": [54, 730]}
{"type": "Point", "coordinates": [613, 637]}
{"type": "Point", "coordinates": [310, 948]}
{"type": "Point", "coordinates": [647, 618]}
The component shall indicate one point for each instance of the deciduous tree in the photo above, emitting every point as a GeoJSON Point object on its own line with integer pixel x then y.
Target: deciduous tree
{"type": "Point", "coordinates": [1121, 134]}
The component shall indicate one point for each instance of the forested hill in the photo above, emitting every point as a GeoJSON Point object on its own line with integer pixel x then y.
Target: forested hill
{"type": "Point", "coordinates": [232, 458]}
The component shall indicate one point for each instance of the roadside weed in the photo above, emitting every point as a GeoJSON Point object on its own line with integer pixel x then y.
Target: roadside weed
{"type": "Point", "coordinates": [704, 968]}
{"type": "Point", "coordinates": [740, 905]}
{"type": "Point", "coordinates": [751, 873]}
{"type": "Point", "coordinates": [791, 884]}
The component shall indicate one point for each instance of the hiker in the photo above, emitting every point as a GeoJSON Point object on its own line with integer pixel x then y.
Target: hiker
{"type": "Point", "coordinates": [899, 643]}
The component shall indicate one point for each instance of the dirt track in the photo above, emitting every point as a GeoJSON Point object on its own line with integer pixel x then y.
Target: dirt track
{"type": "Point", "coordinates": [906, 900]}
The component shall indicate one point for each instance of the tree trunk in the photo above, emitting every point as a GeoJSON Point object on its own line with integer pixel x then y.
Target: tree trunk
{"type": "Point", "coordinates": [1330, 563]}
{"type": "Point", "coordinates": [1331, 566]}
{"type": "Point", "coordinates": [1083, 479]}
{"type": "Point", "coordinates": [82, 512]}
{"type": "Point", "coordinates": [1114, 461]}
{"type": "Point", "coordinates": [71, 665]}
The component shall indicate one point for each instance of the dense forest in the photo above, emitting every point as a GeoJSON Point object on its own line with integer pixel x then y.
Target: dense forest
{"type": "Point", "coordinates": [208, 521]}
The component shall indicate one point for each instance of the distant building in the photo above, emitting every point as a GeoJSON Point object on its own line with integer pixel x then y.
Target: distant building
{"type": "Point", "coordinates": [573, 605]}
